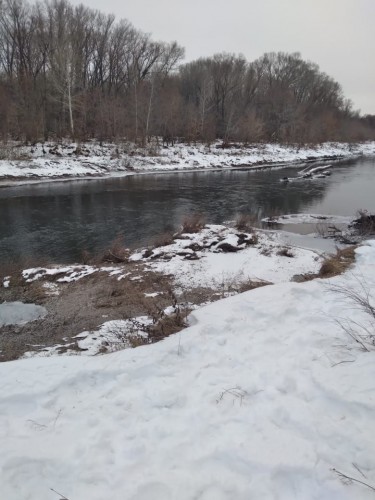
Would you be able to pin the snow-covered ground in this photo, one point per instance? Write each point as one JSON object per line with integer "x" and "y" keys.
{"x": 260, "y": 398}
{"x": 69, "y": 160}
{"x": 218, "y": 258}
{"x": 260, "y": 261}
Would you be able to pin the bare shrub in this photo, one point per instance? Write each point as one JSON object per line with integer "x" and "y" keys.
{"x": 86, "y": 257}
{"x": 337, "y": 263}
{"x": 117, "y": 252}
{"x": 125, "y": 163}
{"x": 364, "y": 224}
{"x": 163, "y": 240}
{"x": 325, "y": 230}
{"x": 285, "y": 252}
{"x": 164, "y": 324}
{"x": 161, "y": 325}
{"x": 266, "y": 251}
{"x": 245, "y": 222}
{"x": 193, "y": 223}
{"x": 13, "y": 152}
{"x": 359, "y": 298}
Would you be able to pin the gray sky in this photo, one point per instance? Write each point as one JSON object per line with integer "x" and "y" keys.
{"x": 338, "y": 35}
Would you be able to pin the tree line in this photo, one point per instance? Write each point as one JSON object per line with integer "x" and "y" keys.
{"x": 72, "y": 71}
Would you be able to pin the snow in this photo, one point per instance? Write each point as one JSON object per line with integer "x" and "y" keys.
{"x": 67, "y": 274}
{"x": 261, "y": 397}
{"x": 308, "y": 219}
{"x": 92, "y": 160}
{"x": 214, "y": 269}
{"x": 51, "y": 288}
{"x": 18, "y": 313}
{"x": 117, "y": 332}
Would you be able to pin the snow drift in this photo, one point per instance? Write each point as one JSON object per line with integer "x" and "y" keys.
{"x": 259, "y": 399}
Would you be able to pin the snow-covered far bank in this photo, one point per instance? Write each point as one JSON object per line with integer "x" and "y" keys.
{"x": 72, "y": 160}
{"x": 264, "y": 396}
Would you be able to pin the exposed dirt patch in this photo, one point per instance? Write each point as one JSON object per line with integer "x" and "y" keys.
{"x": 80, "y": 306}
{"x": 85, "y": 304}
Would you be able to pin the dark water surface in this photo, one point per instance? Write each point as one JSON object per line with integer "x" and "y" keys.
{"x": 59, "y": 220}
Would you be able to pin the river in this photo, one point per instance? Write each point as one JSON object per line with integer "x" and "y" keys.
{"x": 58, "y": 220}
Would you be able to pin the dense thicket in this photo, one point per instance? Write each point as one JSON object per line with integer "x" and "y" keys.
{"x": 73, "y": 71}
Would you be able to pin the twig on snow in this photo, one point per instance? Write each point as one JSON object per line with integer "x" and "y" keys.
{"x": 350, "y": 479}
{"x": 63, "y": 497}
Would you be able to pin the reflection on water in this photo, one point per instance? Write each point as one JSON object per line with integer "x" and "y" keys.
{"x": 59, "y": 220}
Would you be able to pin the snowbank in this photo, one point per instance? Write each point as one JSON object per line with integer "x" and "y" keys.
{"x": 260, "y": 398}
{"x": 92, "y": 160}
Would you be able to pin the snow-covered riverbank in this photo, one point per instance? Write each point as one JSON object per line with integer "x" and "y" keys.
{"x": 263, "y": 396}
{"x": 181, "y": 272}
{"x": 70, "y": 160}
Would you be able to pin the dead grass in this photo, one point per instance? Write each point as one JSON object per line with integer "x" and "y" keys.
{"x": 193, "y": 223}
{"x": 14, "y": 268}
{"x": 252, "y": 285}
{"x": 168, "y": 325}
{"x": 337, "y": 263}
{"x": 36, "y": 293}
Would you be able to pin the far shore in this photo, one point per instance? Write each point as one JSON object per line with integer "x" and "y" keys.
{"x": 68, "y": 161}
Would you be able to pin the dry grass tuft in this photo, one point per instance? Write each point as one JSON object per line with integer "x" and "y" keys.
{"x": 245, "y": 222}
{"x": 117, "y": 253}
{"x": 163, "y": 240}
{"x": 193, "y": 223}
{"x": 252, "y": 285}
{"x": 337, "y": 263}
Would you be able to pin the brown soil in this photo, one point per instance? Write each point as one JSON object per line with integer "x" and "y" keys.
{"x": 80, "y": 306}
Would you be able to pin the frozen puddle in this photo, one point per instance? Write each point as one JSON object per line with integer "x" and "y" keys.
{"x": 18, "y": 313}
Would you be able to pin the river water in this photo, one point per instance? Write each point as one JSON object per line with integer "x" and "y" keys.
{"x": 59, "y": 220}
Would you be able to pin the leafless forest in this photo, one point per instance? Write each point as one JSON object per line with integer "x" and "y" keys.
{"x": 74, "y": 72}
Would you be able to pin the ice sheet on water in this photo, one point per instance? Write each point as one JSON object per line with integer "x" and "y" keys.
{"x": 18, "y": 313}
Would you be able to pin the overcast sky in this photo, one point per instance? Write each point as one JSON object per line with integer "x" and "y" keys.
{"x": 338, "y": 35}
